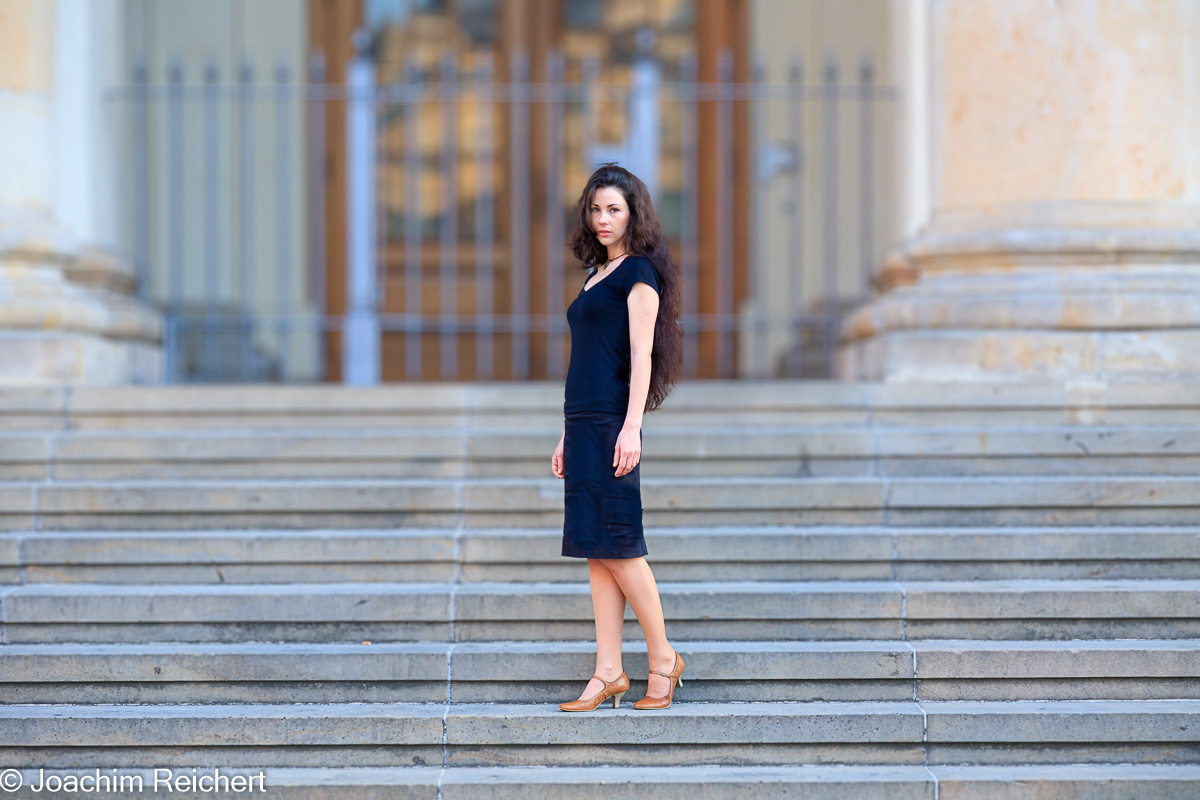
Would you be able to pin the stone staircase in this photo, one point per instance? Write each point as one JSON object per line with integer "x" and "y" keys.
{"x": 881, "y": 592}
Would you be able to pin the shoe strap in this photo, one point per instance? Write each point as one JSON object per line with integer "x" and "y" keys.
{"x": 666, "y": 674}
{"x": 606, "y": 683}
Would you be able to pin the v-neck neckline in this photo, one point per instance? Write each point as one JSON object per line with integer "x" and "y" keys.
{"x": 602, "y": 280}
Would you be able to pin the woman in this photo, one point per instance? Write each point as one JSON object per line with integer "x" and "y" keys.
{"x": 627, "y": 309}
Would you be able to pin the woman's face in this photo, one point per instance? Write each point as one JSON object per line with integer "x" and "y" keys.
{"x": 609, "y": 215}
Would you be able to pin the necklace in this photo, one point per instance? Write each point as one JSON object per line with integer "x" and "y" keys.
{"x": 606, "y": 263}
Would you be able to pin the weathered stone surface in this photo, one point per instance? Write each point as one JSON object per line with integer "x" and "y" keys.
{"x": 1053, "y": 599}
{"x": 17, "y": 507}
{"x": 1122, "y": 658}
{"x": 233, "y": 547}
{"x": 792, "y": 632}
{"x": 757, "y": 600}
{"x": 761, "y": 661}
{"x": 111, "y": 726}
{"x": 253, "y": 661}
{"x": 690, "y": 783}
{"x": 56, "y": 331}
{"x": 690, "y": 723}
{"x": 1067, "y": 781}
{"x": 348, "y": 602}
{"x": 1064, "y": 721}
{"x": 1041, "y": 544}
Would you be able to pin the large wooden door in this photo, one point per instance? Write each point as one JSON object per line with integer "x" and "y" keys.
{"x": 331, "y": 25}
{"x": 537, "y": 28}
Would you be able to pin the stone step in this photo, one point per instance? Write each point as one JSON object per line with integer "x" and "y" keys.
{"x": 487, "y": 672}
{"x": 415, "y": 406}
{"x": 516, "y": 502}
{"x": 691, "y": 402}
{"x": 718, "y": 450}
{"x": 489, "y": 611}
{"x": 700, "y": 782}
{"x": 787, "y": 553}
{"x": 688, "y": 733}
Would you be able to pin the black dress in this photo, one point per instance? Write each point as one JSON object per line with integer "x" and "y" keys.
{"x": 602, "y": 513}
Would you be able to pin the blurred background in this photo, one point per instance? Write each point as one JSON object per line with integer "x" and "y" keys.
{"x": 381, "y": 190}
{"x": 367, "y": 191}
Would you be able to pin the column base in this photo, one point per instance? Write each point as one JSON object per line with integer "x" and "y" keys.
{"x": 1022, "y": 355}
{"x": 29, "y": 358}
{"x": 1031, "y": 302}
{"x": 67, "y": 315}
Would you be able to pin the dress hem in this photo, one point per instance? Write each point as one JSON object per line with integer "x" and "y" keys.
{"x": 636, "y": 555}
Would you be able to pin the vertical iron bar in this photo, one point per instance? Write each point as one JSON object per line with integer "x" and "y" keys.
{"x": 796, "y": 267}
{"x": 829, "y": 205}
{"x": 175, "y": 183}
{"x": 141, "y": 189}
{"x": 381, "y": 101}
{"x": 448, "y": 311}
{"x": 484, "y": 287}
{"x": 246, "y": 231}
{"x": 361, "y": 324}
{"x": 643, "y": 147}
{"x": 760, "y": 358}
{"x": 591, "y": 114}
{"x": 283, "y": 200}
{"x": 519, "y": 213}
{"x": 555, "y": 235}
{"x": 689, "y": 233}
{"x": 865, "y": 172}
{"x": 726, "y": 329}
{"x": 212, "y": 264}
{"x": 413, "y": 330}
{"x": 317, "y": 109}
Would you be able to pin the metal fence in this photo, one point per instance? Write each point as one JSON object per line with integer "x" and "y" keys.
{"x": 228, "y": 199}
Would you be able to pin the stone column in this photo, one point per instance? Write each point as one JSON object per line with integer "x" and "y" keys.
{"x": 1064, "y": 240}
{"x": 67, "y": 310}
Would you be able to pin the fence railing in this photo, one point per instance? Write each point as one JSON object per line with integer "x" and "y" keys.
{"x": 231, "y": 204}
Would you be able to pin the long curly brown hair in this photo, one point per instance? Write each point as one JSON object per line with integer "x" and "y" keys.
{"x": 644, "y": 237}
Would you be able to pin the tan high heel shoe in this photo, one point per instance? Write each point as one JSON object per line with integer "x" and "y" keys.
{"x": 676, "y": 676}
{"x": 614, "y": 689}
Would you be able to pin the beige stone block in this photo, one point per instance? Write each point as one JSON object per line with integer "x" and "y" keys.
{"x": 1093, "y": 721}
{"x": 1077, "y": 660}
{"x": 1046, "y": 492}
{"x": 248, "y": 548}
{"x": 1047, "y": 600}
{"x": 1063, "y": 114}
{"x": 292, "y": 725}
{"x": 138, "y": 604}
{"x": 302, "y": 446}
{"x": 283, "y": 497}
{"x": 1152, "y": 351}
{"x": 68, "y": 358}
{"x": 20, "y": 449}
{"x": 1068, "y": 781}
{"x": 258, "y": 398}
{"x": 26, "y": 47}
{"x": 17, "y": 507}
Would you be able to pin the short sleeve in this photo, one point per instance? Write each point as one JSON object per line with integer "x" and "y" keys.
{"x": 640, "y": 269}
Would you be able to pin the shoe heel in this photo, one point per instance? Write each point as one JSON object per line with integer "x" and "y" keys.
{"x": 679, "y": 681}
{"x": 617, "y": 699}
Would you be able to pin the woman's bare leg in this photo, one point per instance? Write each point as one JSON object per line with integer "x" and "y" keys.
{"x": 637, "y": 583}
{"x": 608, "y": 603}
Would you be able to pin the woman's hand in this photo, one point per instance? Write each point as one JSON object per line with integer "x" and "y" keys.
{"x": 628, "y": 452}
{"x": 556, "y": 463}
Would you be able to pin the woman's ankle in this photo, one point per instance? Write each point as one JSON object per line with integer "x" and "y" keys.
{"x": 666, "y": 656}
